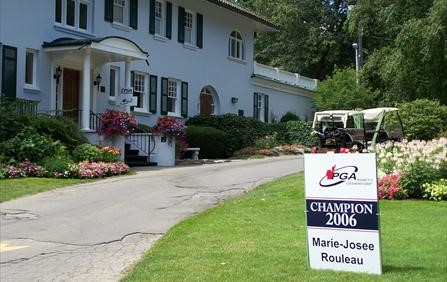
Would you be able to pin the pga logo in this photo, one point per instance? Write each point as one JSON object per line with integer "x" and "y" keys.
{"x": 335, "y": 176}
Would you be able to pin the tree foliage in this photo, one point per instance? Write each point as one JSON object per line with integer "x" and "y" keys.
{"x": 340, "y": 92}
{"x": 312, "y": 39}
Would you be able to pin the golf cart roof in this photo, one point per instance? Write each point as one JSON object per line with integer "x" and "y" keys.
{"x": 341, "y": 115}
{"x": 374, "y": 114}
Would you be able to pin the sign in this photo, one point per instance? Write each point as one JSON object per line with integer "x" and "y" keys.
{"x": 126, "y": 98}
{"x": 342, "y": 212}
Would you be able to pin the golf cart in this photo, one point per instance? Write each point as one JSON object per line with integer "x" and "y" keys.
{"x": 356, "y": 130}
{"x": 339, "y": 129}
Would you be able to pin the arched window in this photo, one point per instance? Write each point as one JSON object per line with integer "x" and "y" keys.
{"x": 236, "y": 46}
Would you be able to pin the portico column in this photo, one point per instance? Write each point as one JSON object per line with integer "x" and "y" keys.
{"x": 127, "y": 79}
{"x": 86, "y": 91}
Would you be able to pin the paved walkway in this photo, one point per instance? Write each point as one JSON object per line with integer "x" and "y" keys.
{"x": 94, "y": 231}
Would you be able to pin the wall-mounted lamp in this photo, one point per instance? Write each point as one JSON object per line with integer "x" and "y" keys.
{"x": 234, "y": 100}
{"x": 97, "y": 81}
{"x": 57, "y": 74}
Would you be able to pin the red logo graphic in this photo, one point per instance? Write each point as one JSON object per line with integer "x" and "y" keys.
{"x": 330, "y": 173}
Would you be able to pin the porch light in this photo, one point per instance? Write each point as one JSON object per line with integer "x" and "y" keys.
{"x": 57, "y": 74}
{"x": 234, "y": 100}
{"x": 97, "y": 81}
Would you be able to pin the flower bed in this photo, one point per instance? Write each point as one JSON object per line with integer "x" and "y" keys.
{"x": 412, "y": 169}
{"x": 83, "y": 169}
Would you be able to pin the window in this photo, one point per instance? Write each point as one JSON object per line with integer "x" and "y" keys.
{"x": 139, "y": 90}
{"x": 9, "y": 71}
{"x": 119, "y": 11}
{"x": 30, "y": 68}
{"x": 114, "y": 82}
{"x": 236, "y": 46}
{"x": 158, "y": 18}
{"x": 188, "y": 27}
{"x": 261, "y": 107}
{"x": 75, "y": 14}
{"x": 172, "y": 96}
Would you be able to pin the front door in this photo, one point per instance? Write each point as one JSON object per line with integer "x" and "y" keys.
{"x": 206, "y": 102}
{"x": 70, "y": 105}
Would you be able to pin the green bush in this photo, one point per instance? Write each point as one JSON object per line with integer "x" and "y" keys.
{"x": 241, "y": 131}
{"x": 57, "y": 164}
{"x": 415, "y": 176}
{"x": 10, "y": 124}
{"x": 298, "y": 132}
{"x": 423, "y": 119}
{"x": 28, "y": 144}
{"x": 267, "y": 142}
{"x": 289, "y": 116}
{"x": 60, "y": 128}
{"x": 87, "y": 152}
{"x": 436, "y": 190}
{"x": 211, "y": 141}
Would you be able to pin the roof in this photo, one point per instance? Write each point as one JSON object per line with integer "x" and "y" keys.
{"x": 246, "y": 12}
{"x": 374, "y": 114}
{"x": 65, "y": 42}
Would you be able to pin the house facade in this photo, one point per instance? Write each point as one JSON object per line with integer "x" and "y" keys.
{"x": 181, "y": 57}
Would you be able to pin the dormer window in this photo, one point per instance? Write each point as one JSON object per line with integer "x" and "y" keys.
{"x": 236, "y": 46}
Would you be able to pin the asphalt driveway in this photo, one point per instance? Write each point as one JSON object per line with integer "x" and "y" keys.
{"x": 94, "y": 231}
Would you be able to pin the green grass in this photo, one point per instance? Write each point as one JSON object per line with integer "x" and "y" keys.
{"x": 19, "y": 187}
{"x": 262, "y": 237}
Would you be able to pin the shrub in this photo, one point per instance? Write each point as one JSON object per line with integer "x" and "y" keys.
{"x": 100, "y": 169}
{"x": 298, "y": 132}
{"x": 59, "y": 128}
{"x": 58, "y": 166}
{"x": 389, "y": 187}
{"x": 436, "y": 190}
{"x": 415, "y": 175}
{"x": 24, "y": 169}
{"x": 241, "y": 131}
{"x": 28, "y": 144}
{"x": 245, "y": 152}
{"x": 211, "y": 141}
{"x": 110, "y": 154}
{"x": 423, "y": 119}
{"x": 87, "y": 152}
{"x": 289, "y": 116}
{"x": 267, "y": 142}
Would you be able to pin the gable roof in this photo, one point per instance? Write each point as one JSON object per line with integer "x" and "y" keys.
{"x": 271, "y": 26}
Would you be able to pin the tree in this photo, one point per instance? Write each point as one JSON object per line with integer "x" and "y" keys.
{"x": 312, "y": 39}
{"x": 410, "y": 61}
{"x": 340, "y": 92}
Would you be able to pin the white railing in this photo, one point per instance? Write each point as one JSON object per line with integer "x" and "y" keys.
{"x": 286, "y": 77}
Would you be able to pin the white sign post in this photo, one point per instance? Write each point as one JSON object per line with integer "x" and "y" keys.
{"x": 342, "y": 212}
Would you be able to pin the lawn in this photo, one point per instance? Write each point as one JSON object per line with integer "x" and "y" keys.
{"x": 19, "y": 187}
{"x": 261, "y": 236}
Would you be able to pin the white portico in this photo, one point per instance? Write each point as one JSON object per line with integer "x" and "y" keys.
{"x": 75, "y": 71}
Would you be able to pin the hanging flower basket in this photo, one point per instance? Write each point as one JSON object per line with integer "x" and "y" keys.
{"x": 115, "y": 123}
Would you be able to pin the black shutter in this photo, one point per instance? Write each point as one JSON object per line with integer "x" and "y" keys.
{"x": 132, "y": 83}
{"x": 153, "y": 94}
{"x": 266, "y": 108}
{"x": 152, "y": 17}
{"x": 9, "y": 71}
{"x": 168, "y": 20}
{"x": 199, "y": 31}
{"x": 255, "y": 106}
{"x": 181, "y": 24}
{"x": 108, "y": 11}
{"x": 164, "y": 96}
{"x": 133, "y": 16}
{"x": 184, "y": 105}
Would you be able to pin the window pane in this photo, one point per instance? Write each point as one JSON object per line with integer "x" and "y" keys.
{"x": 71, "y": 12}
{"x": 29, "y": 68}
{"x": 58, "y": 11}
{"x": 83, "y": 15}
{"x": 118, "y": 10}
{"x": 171, "y": 105}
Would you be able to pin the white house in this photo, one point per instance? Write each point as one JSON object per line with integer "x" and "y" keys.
{"x": 182, "y": 58}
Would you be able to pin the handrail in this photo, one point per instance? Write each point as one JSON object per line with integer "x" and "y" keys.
{"x": 142, "y": 141}
{"x": 95, "y": 122}
{"x": 18, "y": 106}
